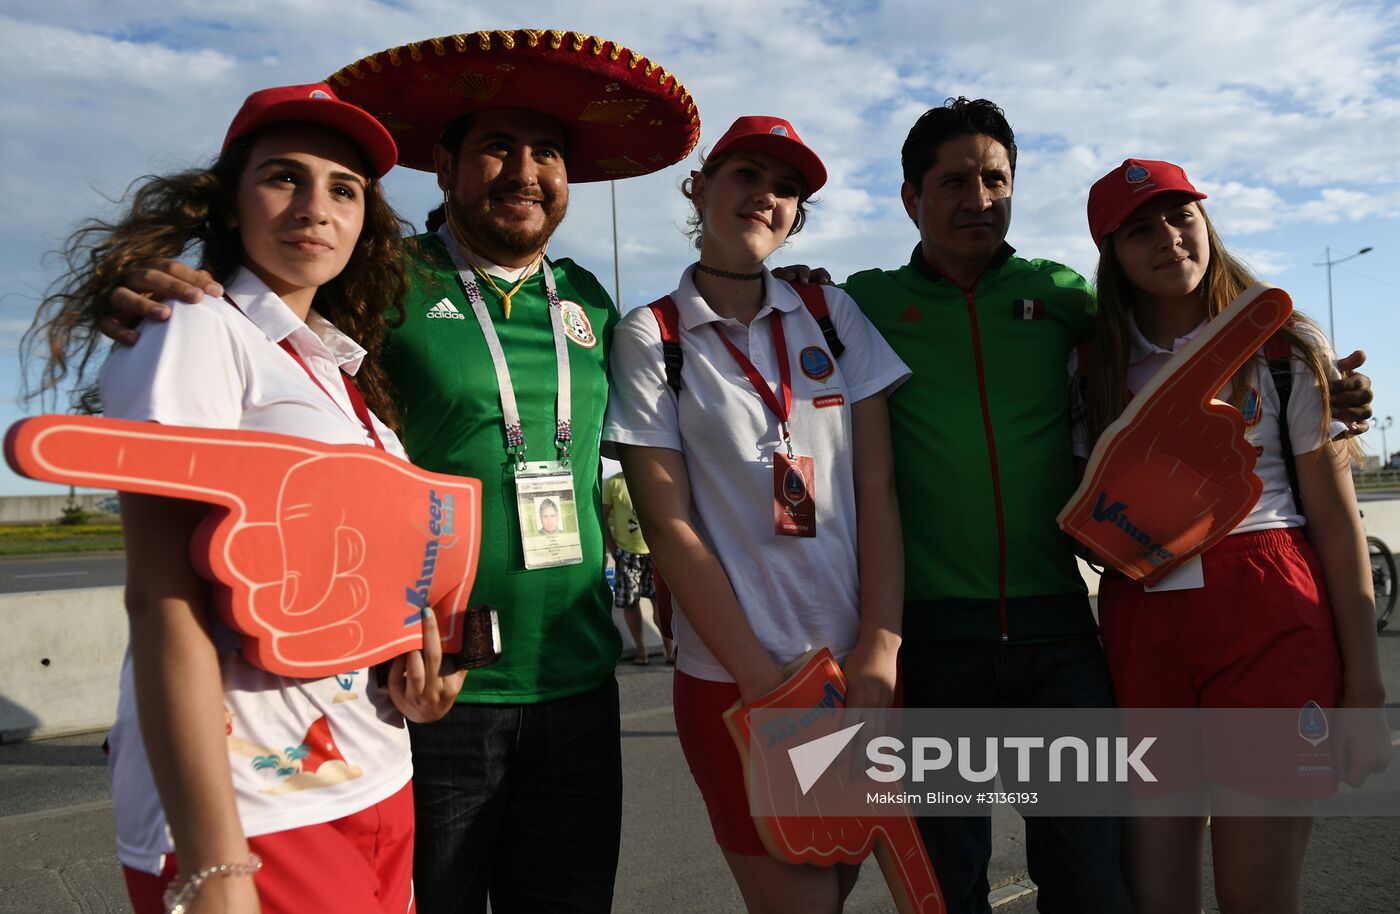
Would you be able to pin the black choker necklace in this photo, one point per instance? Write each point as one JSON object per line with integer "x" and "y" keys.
{"x": 725, "y": 274}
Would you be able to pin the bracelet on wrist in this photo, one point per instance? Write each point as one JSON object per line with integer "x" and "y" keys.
{"x": 182, "y": 890}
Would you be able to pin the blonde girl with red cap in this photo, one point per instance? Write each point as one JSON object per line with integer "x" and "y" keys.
{"x": 708, "y": 449}
{"x": 277, "y": 794}
{"x": 1281, "y": 612}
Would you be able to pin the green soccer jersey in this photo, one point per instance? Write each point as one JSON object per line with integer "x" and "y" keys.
{"x": 981, "y": 439}
{"x": 557, "y": 633}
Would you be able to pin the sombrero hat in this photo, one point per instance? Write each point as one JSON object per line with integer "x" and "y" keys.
{"x": 624, "y": 114}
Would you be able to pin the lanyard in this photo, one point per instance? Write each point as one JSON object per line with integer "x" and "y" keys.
{"x": 779, "y": 409}
{"x": 357, "y": 402}
{"x": 515, "y": 435}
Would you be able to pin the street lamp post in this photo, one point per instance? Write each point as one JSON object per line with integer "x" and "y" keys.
{"x": 1329, "y": 263}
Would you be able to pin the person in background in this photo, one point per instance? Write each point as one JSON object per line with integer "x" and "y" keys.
{"x": 622, "y": 534}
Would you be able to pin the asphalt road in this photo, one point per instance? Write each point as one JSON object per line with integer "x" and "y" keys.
{"x": 57, "y": 833}
{"x": 25, "y": 574}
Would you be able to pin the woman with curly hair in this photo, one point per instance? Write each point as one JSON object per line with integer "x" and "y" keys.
{"x": 302, "y": 785}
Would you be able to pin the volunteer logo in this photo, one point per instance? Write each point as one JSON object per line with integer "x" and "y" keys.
{"x": 779, "y": 130}
{"x": 794, "y": 486}
{"x": 1136, "y": 174}
{"x": 816, "y": 364}
{"x": 440, "y": 510}
{"x": 576, "y": 324}
{"x": 445, "y": 310}
{"x": 1117, "y": 515}
{"x": 1312, "y": 723}
{"x": 1250, "y": 407}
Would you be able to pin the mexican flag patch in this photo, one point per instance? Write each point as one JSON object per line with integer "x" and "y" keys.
{"x": 1028, "y": 309}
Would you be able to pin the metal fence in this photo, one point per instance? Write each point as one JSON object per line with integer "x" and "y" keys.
{"x": 1377, "y": 479}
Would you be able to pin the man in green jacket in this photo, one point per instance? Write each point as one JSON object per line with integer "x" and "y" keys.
{"x": 996, "y": 613}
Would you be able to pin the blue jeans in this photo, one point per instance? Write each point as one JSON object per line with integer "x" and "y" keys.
{"x": 1075, "y": 862}
{"x": 519, "y": 802}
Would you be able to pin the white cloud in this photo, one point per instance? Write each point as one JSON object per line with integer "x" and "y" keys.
{"x": 1287, "y": 115}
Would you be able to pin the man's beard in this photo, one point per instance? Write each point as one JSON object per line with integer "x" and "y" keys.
{"x": 490, "y": 238}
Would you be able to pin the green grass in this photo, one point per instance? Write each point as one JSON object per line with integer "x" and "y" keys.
{"x": 43, "y": 539}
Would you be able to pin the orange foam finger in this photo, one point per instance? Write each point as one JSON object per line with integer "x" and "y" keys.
{"x": 323, "y": 556}
{"x": 816, "y": 684}
{"x": 1174, "y": 474}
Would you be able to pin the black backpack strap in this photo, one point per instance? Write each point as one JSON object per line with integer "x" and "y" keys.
{"x": 669, "y": 320}
{"x": 815, "y": 299}
{"x": 1279, "y": 354}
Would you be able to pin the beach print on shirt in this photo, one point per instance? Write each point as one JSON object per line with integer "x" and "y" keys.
{"x": 312, "y": 762}
{"x": 346, "y": 681}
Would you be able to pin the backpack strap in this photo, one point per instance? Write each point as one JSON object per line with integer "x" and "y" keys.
{"x": 1278, "y": 352}
{"x": 1084, "y": 353}
{"x": 815, "y": 299}
{"x": 669, "y": 320}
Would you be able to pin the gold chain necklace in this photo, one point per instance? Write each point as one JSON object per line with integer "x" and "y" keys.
{"x": 506, "y": 296}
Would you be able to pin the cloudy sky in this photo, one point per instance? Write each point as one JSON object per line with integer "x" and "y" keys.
{"x": 1287, "y": 113}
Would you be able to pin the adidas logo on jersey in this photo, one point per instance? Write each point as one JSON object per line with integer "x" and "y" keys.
{"x": 445, "y": 310}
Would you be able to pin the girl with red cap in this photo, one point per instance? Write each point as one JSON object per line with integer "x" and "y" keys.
{"x": 760, "y": 468}
{"x": 278, "y": 794}
{"x": 1277, "y": 615}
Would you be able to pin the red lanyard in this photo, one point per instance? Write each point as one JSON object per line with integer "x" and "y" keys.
{"x": 357, "y": 402}
{"x": 780, "y": 409}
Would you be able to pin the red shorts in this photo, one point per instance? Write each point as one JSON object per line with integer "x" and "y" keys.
{"x": 361, "y": 864}
{"x": 714, "y": 762}
{"x": 1258, "y": 635}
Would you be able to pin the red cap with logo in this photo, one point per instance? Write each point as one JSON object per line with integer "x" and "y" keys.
{"x": 316, "y": 104}
{"x": 775, "y": 137}
{"x": 1115, "y": 196}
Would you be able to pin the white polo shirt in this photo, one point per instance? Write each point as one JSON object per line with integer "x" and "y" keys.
{"x": 301, "y": 751}
{"x": 797, "y": 592}
{"x": 1275, "y": 507}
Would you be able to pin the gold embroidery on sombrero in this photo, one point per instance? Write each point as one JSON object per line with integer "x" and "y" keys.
{"x": 477, "y": 86}
{"x": 622, "y": 165}
{"x": 613, "y": 111}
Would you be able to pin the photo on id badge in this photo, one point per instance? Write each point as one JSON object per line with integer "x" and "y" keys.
{"x": 549, "y": 533}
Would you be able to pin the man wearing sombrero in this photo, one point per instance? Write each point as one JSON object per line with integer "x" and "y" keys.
{"x": 500, "y": 367}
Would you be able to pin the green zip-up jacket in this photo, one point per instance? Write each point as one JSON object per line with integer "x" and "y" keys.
{"x": 982, "y": 445}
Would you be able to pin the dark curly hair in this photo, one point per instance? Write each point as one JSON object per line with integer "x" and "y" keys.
{"x": 168, "y": 216}
{"x": 958, "y": 117}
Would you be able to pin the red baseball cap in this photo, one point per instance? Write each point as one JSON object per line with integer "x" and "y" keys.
{"x": 315, "y": 103}
{"x": 1115, "y": 196}
{"x": 775, "y": 137}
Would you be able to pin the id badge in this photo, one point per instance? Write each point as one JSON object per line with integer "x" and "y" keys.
{"x": 1189, "y": 576}
{"x": 794, "y": 507}
{"x": 548, "y": 513}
